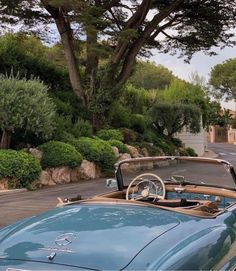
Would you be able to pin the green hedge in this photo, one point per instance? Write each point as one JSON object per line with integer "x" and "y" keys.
{"x": 120, "y": 145}
{"x": 96, "y": 150}
{"x": 187, "y": 152}
{"x": 20, "y": 167}
{"x": 109, "y": 134}
{"x": 57, "y": 154}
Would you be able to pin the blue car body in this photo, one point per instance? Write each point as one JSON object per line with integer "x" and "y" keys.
{"x": 106, "y": 233}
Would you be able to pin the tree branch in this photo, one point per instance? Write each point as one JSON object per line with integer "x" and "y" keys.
{"x": 137, "y": 45}
{"x": 134, "y": 22}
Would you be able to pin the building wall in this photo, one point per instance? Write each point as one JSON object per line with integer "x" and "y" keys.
{"x": 198, "y": 141}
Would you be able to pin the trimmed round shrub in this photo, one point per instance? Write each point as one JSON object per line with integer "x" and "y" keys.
{"x": 56, "y": 154}
{"x": 19, "y": 167}
{"x": 120, "y": 145}
{"x": 108, "y": 134}
{"x": 96, "y": 150}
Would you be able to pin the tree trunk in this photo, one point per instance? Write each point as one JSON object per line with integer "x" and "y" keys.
{"x": 67, "y": 42}
{"x": 91, "y": 64}
{"x": 6, "y": 139}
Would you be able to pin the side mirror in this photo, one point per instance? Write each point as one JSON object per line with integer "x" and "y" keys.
{"x": 111, "y": 183}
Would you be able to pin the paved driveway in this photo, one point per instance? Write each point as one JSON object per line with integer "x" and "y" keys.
{"x": 23, "y": 204}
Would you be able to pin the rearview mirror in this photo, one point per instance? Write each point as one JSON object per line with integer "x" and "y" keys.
{"x": 111, "y": 183}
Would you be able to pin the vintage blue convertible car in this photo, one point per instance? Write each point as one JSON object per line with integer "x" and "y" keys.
{"x": 167, "y": 213}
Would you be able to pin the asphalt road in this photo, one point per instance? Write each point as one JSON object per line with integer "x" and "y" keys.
{"x": 224, "y": 151}
{"x": 23, "y": 204}
{"x": 17, "y": 206}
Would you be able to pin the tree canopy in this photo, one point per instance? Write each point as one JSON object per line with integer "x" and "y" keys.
{"x": 223, "y": 80}
{"x": 147, "y": 75}
{"x": 121, "y": 31}
{"x": 171, "y": 118}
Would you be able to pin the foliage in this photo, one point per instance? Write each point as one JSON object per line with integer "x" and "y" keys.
{"x": 19, "y": 167}
{"x": 27, "y": 57}
{"x": 166, "y": 146}
{"x": 183, "y": 92}
{"x": 191, "y": 152}
{"x": 25, "y": 104}
{"x": 68, "y": 104}
{"x": 218, "y": 116}
{"x": 187, "y": 152}
{"x": 149, "y": 76}
{"x": 152, "y": 149}
{"x": 96, "y": 150}
{"x": 63, "y": 125}
{"x": 137, "y": 100}
{"x": 82, "y": 128}
{"x": 56, "y": 154}
{"x": 171, "y": 118}
{"x": 177, "y": 142}
{"x": 119, "y": 116}
{"x": 120, "y": 145}
{"x": 129, "y": 135}
{"x": 223, "y": 80}
{"x": 129, "y": 32}
{"x": 107, "y": 134}
{"x": 138, "y": 123}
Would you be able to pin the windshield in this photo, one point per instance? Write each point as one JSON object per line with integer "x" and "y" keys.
{"x": 180, "y": 170}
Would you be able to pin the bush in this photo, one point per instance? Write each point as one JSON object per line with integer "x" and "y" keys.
{"x": 187, "y": 152}
{"x": 63, "y": 125}
{"x": 191, "y": 152}
{"x": 20, "y": 167}
{"x": 166, "y": 146}
{"x": 152, "y": 149}
{"x": 96, "y": 150}
{"x": 57, "y": 154}
{"x": 129, "y": 135}
{"x": 120, "y": 145}
{"x": 119, "y": 116}
{"x": 109, "y": 134}
{"x": 177, "y": 142}
{"x": 82, "y": 128}
{"x": 25, "y": 104}
{"x": 138, "y": 123}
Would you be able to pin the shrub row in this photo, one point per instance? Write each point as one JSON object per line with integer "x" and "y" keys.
{"x": 22, "y": 168}
{"x": 96, "y": 150}
{"x": 19, "y": 167}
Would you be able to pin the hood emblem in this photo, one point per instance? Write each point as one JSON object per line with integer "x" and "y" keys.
{"x": 65, "y": 239}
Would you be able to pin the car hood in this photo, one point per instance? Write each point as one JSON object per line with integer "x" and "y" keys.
{"x": 103, "y": 237}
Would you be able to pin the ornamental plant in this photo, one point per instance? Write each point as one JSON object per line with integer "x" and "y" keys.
{"x": 24, "y": 104}
{"x": 19, "y": 167}
{"x": 56, "y": 154}
{"x": 96, "y": 150}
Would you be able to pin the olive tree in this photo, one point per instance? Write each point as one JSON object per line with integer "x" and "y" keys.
{"x": 172, "y": 118}
{"x": 24, "y": 104}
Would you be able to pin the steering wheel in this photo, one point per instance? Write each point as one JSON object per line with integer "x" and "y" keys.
{"x": 146, "y": 188}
